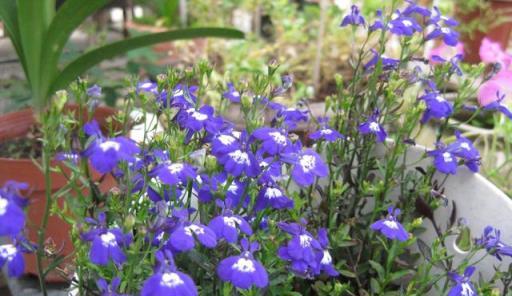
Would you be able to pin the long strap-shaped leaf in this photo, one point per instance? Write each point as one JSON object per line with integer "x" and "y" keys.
{"x": 93, "y": 57}
{"x": 9, "y": 16}
{"x": 69, "y": 16}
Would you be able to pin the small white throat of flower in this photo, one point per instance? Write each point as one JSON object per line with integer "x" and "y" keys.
{"x": 326, "y": 259}
{"x": 466, "y": 290}
{"x": 374, "y": 126}
{"x": 240, "y": 157}
{"x": 305, "y": 240}
{"x": 278, "y": 138}
{"x": 3, "y": 206}
{"x": 440, "y": 99}
{"x": 8, "y": 251}
{"x": 171, "y": 280}
{"x": 175, "y": 168}
{"x": 193, "y": 228}
{"x": 231, "y": 221}
{"x": 244, "y": 265}
{"x": 107, "y": 145}
{"x": 226, "y": 139}
{"x": 407, "y": 23}
{"x": 108, "y": 240}
{"x": 465, "y": 145}
{"x": 391, "y": 224}
{"x": 447, "y": 157}
{"x": 197, "y": 115}
{"x": 326, "y": 131}
{"x": 271, "y": 193}
{"x": 307, "y": 162}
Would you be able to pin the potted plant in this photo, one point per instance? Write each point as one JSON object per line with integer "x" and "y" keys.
{"x": 205, "y": 207}
{"x": 38, "y": 32}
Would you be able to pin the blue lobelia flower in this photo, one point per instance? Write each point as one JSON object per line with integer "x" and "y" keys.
{"x": 228, "y": 225}
{"x": 224, "y": 143}
{"x": 325, "y": 132}
{"x": 271, "y": 169}
{"x": 387, "y": 63}
{"x": 354, "y": 18}
{"x": 183, "y": 237}
{"x": 13, "y": 257}
{"x": 379, "y": 22}
{"x": 94, "y": 91}
{"x": 289, "y": 115}
{"x": 499, "y": 106}
{"x": 326, "y": 264}
{"x": 307, "y": 165}
{"x": 173, "y": 173}
{"x": 105, "y": 153}
{"x": 454, "y": 62}
{"x": 243, "y": 271}
{"x": 372, "y": 126}
{"x": 271, "y": 195}
{"x": 196, "y": 120}
{"x": 12, "y": 191}
{"x": 274, "y": 141}
{"x": 449, "y": 35}
{"x": 390, "y": 227}
{"x": 166, "y": 280}
{"x": 303, "y": 251}
{"x": 109, "y": 290}
{"x": 147, "y": 86}
{"x": 181, "y": 96}
{"x": 232, "y": 94}
{"x": 437, "y": 106}
{"x": 491, "y": 241}
{"x": 240, "y": 161}
{"x": 286, "y": 83}
{"x": 463, "y": 285}
{"x": 404, "y": 25}
{"x": 12, "y": 217}
{"x": 413, "y": 8}
{"x": 444, "y": 160}
{"x": 464, "y": 149}
{"x": 107, "y": 244}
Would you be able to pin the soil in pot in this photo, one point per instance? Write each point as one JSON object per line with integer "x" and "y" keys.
{"x": 18, "y": 134}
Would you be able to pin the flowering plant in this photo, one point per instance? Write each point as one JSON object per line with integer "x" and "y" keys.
{"x": 301, "y": 204}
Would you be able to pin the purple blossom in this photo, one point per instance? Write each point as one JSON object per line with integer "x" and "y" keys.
{"x": 325, "y": 132}
{"x": 11, "y": 255}
{"x": 379, "y": 22}
{"x": 182, "y": 239}
{"x": 12, "y": 191}
{"x": 307, "y": 165}
{"x": 274, "y": 141}
{"x": 450, "y": 36}
{"x": 166, "y": 280}
{"x": 271, "y": 195}
{"x": 72, "y": 157}
{"x": 197, "y": 119}
{"x": 109, "y": 290}
{"x": 404, "y": 26}
{"x": 387, "y": 63}
{"x": 465, "y": 149}
{"x": 240, "y": 161}
{"x": 444, "y": 160}
{"x": 12, "y": 217}
{"x": 224, "y": 143}
{"x": 390, "y": 227}
{"x": 228, "y": 225}
{"x": 173, "y": 173}
{"x": 94, "y": 91}
{"x": 148, "y": 87}
{"x": 413, "y": 8}
{"x": 491, "y": 241}
{"x": 291, "y": 116}
{"x": 243, "y": 271}
{"x": 270, "y": 170}
{"x": 181, "y": 96}
{"x": 326, "y": 264}
{"x": 499, "y": 106}
{"x": 286, "y": 83}
{"x": 232, "y": 94}
{"x": 372, "y": 126}
{"x": 437, "y": 106}
{"x": 463, "y": 285}
{"x": 354, "y": 18}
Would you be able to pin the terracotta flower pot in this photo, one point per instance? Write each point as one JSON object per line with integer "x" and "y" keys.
{"x": 498, "y": 33}
{"x": 15, "y": 125}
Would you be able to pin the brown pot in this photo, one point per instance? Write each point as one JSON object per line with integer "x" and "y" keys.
{"x": 15, "y": 125}
{"x": 498, "y": 33}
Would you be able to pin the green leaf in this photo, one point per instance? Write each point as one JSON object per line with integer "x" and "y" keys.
{"x": 69, "y": 16}
{"x": 378, "y": 268}
{"x": 399, "y": 274}
{"x": 9, "y": 16}
{"x": 93, "y": 57}
{"x": 348, "y": 273}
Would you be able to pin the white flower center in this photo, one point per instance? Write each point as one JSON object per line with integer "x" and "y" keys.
{"x": 278, "y": 138}
{"x": 193, "y": 228}
{"x": 175, "y": 168}
{"x": 445, "y": 30}
{"x": 244, "y": 265}
{"x": 305, "y": 240}
{"x": 107, "y": 145}
{"x": 447, "y": 157}
{"x": 374, "y": 126}
{"x": 465, "y": 145}
{"x": 226, "y": 139}
{"x": 407, "y": 23}
{"x": 235, "y": 94}
{"x": 8, "y": 252}
{"x": 307, "y": 162}
{"x": 326, "y": 131}
{"x": 3, "y": 206}
{"x": 466, "y": 290}
{"x": 326, "y": 259}
{"x": 231, "y": 221}
{"x": 440, "y": 99}
{"x": 391, "y": 224}
{"x": 171, "y": 280}
{"x": 177, "y": 93}
{"x": 240, "y": 157}
{"x": 273, "y": 193}
{"x": 197, "y": 115}
{"x": 108, "y": 240}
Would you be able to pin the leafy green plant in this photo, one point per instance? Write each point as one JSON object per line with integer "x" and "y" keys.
{"x": 39, "y": 31}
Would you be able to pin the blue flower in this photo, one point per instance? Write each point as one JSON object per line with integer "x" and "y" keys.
{"x": 463, "y": 285}
{"x": 13, "y": 256}
{"x": 274, "y": 141}
{"x": 450, "y": 36}
{"x": 243, "y": 271}
{"x": 354, "y": 18}
{"x": 290, "y": 116}
{"x": 12, "y": 217}
{"x": 444, "y": 160}
{"x": 464, "y": 148}
{"x": 379, "y": 22}
{"x": 173, "y": 173}
{"x": 437, "y": 106}
{"x": 240, "y": 161}
{"x": 325, "y": 132}
{"x": 390, "y": 227}
{"x": 499, "y": 106}
{"x": 12, "y": 191}
{"x": 181, "y": 96}
{"x": 404, "y": 26}
{"x": 326, "y": 264}
{"x": 109, "y": 290}
{"x": 167, "y": 280}
{"x": 232, "y": 94}
{"x": 94, "y": 91}
{"x": 372, "y": 126}
{"x": 148, "y": 87}
{"x": 197, "y": 119}
{"x": 271, "y": 195}
{"x": 224, "y": 143}
{"x": 413, "y": 8}
{"x": 387, "y": 63}
{"x": 493, "y": 244}
{"x": 228, "y": 225}
{"x": 307, "y": 165}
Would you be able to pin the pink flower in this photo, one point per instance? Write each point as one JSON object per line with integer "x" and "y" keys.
{"x": 501, "y": 83}
{"x": 491, "y": 52}
{"x": 446, "y": 52}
